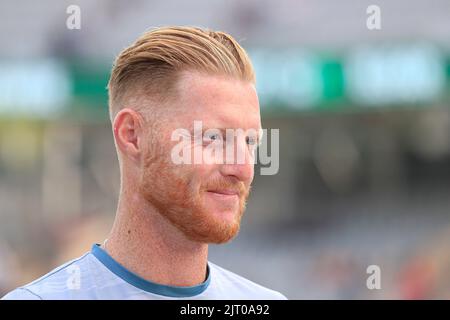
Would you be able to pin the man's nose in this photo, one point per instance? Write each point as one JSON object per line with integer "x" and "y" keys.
{"x": 239, "y": 162}
{"x": 242, "y": 172}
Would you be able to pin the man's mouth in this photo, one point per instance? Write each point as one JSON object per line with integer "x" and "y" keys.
{"x": 225, "y": 192}
{"x": 226, "y": 195}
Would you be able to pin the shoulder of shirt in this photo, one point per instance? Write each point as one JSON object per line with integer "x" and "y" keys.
{"x": 33, "y": 290}
{"x": 245, "y": 284}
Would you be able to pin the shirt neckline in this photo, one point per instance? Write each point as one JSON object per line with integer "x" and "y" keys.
{"x": 148, "y": 286}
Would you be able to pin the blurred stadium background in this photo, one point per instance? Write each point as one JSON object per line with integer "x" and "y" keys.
{"x": 364, "y": 119}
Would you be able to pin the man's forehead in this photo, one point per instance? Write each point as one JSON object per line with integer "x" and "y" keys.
{"x": 219, "y": 100}
{"x": 196, "y": 87}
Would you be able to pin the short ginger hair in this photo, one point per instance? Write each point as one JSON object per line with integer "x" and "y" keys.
{"x": 151, "y": 65}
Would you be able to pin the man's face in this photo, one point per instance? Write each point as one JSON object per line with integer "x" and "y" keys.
{"x": 204, "y": 201}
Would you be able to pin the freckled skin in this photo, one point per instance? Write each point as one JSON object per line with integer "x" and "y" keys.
{"x": 179, "y": 191}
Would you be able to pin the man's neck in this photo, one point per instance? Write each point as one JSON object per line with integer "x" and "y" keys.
{"x": 145, "y": 243}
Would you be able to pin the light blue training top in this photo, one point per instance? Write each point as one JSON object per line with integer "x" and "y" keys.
{"x": 96, "y": 275}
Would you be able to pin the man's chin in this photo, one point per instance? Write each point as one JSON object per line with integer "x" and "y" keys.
{"x": 217, "y": 231}
{"x": 224, "y": 216}
{"x": 224, "y": 237}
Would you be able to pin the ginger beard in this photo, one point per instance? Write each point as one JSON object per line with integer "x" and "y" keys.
{"x": 182, "y": 197}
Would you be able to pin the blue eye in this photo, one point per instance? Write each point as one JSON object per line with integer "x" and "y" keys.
{"x": 211, "y": 137}
{"x": 251, "y": 141}
{"x": 214, "y": 136}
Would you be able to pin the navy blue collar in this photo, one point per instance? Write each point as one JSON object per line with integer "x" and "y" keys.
{"x": 135, "y": 280}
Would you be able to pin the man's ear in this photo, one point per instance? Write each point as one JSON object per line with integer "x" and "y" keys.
{"x": 128, "y": 133}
